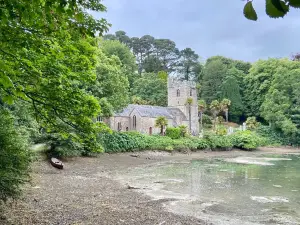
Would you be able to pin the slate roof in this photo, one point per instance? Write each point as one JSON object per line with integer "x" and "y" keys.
{"x": 152, "y": 111}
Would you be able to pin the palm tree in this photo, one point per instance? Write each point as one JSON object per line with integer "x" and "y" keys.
{"x": 201, "y": 109}
{"x": 215, "y": 109}
{"x": 224, "y": 105}
{"x": 161, "y": 122}
{"x": 189, "y": 102}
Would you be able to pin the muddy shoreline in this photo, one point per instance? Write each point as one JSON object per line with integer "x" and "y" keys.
{"x": 85, "y": 192}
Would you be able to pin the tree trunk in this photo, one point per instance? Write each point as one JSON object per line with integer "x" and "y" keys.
{"x": 215, "y": 117}
{"x": 161, "y": 130}
{"x": 226, "y": 115}
{"x": 190, "y": 119}
{"x": 201, "y": 123}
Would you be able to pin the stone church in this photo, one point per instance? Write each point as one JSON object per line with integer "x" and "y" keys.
{"x": 142, "y": 118}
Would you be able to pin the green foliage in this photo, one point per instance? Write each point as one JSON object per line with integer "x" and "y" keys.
{"x": 207, "y": 121}
{"x": 251, "y": 123}
{"x": 14, "y": 157}
{"x": 218, "y": 142}
{"x": 272, "y": 136}
{"x": 188, "y": 64}
{"x": 245, "y": 140}
{"x": 47, "y": 58}
{"x": 281, "y": 105}
{"x": 230, "y": 89}
{"x": 173, "y": 132}
{"x": 111, "y": 83}
{"x": 259, "y": 80}
{"x": 249, "y": 11}
{"x": 221, "y": 130}
{"x": 151, "y": 88}
{"x": 214, "y": 73}
{"x": 274, "y": 8}
{"x": 183, "y": 130}
{"x": 161, "y": 122}
{"x": 128, "y": 62}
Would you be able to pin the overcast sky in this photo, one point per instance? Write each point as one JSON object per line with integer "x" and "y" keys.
{"x": 212, "y": 27}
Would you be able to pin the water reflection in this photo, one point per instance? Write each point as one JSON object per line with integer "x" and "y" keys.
{"x": 229, "y": 192}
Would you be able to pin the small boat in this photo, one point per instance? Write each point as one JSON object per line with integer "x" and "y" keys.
{"x": 56, "y": 163}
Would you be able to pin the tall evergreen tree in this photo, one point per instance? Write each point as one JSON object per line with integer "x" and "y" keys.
{"x": 231, "y": 90}
{"x": 214, "y": 74}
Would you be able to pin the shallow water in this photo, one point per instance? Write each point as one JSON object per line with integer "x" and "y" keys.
{"x": 254, "y": 190}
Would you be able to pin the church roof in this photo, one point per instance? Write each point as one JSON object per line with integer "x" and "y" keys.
{"x": 152, "y": 111}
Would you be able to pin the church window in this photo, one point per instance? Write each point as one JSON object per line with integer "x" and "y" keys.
{"x": 99, "y": 119}
{"x": 134, "y": 122}
{"x": 178, "y": 93}
{"x": 119, "y": 126}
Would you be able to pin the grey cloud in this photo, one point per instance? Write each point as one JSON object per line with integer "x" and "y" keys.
{"x": 215, "y": 27}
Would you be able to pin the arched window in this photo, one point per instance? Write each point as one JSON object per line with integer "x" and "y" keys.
{"x": 178, "y": 93}
{"x": 134, "y": 122}
{"x": 119, "y": 126}
{"x": 191, "y": 92}
{"x": 99, "y": 119}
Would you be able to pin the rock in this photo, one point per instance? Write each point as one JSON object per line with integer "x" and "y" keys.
{"x": 130, "y": 187}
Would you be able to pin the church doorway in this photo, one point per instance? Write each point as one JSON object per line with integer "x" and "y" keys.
{"x": 150, "y": 130}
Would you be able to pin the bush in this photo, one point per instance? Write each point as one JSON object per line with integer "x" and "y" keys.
{"x": 218, "y": 142}
{"x": 251, "y": 123}
{"x": 173, "y": 132}
{"x": 271, "y": 136}
{"x": 245, "y": 140}
{"x": 207, "y": 121}
{"x": 14, "y": 157}
{"x": 221, "y": 130}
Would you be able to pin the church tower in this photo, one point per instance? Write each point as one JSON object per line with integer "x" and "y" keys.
{"x": 178, "y": 94}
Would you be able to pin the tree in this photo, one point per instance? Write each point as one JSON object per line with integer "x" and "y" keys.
{"x": 215, "y": 109}
{"x": 214, "y": 74}
{"x": 281, "y": 105}
{"x": 161, "y": 122}
{"x": 129, "y": 67}
{"x": 168, "y": 54}
{"x": 224, "y": 106}
{"x": 230, "y": 89}
{"x": 274, "y": 8}
{"x": 47, "y": 58}
{"x": 152, "y": 89}
{"x": 258, "y": 82}
{"x": 152, "y": 64}
{"x": 14, "y": 156}
{"x": 188, "y": 64}
{"x": 201, "y": 109}
{"x": 189, "y": 103}
{"x": 111, "y": 82}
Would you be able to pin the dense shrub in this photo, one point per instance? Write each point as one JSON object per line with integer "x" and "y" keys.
{"x": 134, "y": 141}
{"x": 14, "y": 157}
{"x": 221, "y": 130}
{"x": 218, "y": 142}
{"x": 271, "y": 136}
{"x": 245, "y": 140}
{"x": 207, "y": 121}
{"x": 173, "y": 132}
{"x": 251, "y": 123}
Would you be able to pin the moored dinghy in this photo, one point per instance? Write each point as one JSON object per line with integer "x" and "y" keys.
{"x": 56, "y": 163}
